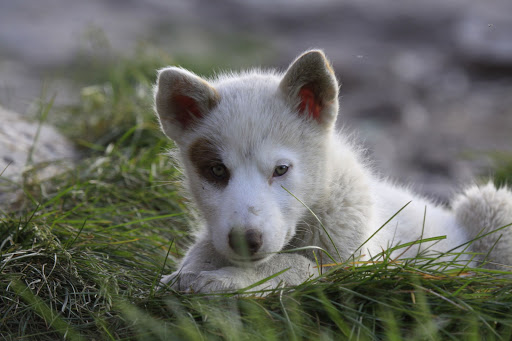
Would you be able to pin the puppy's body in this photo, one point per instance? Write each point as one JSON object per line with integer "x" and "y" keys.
{"x": 260, "y": 153}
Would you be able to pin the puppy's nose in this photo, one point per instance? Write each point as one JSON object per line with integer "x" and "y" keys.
{"x": 245, "y": 242}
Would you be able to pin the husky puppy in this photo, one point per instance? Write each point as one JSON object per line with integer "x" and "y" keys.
{"x": 269, "y": 173}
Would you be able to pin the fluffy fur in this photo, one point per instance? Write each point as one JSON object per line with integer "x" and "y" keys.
{"x": 259, "y": 148}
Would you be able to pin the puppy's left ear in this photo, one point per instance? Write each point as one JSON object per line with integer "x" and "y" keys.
{"x": 182, "y": 99}
{"x": 311, "y": 87}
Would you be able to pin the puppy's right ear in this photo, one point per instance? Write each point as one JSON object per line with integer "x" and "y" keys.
{"x": 311, "y": 87}
{"x": 181, "y": 99}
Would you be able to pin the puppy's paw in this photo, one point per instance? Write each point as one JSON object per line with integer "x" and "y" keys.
{"x": 222, "y": 280}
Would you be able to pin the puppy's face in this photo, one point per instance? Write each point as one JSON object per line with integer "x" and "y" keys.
{"x": 250, "y": 146}
{"x": 249, "y": 214}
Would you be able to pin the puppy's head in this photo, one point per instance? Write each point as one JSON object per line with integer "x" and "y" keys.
{"x": 246, "y": 142}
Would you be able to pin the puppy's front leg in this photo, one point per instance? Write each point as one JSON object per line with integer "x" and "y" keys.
{"x": 204, "y": 270}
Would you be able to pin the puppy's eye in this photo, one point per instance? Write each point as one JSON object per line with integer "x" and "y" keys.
{"x": 280, "y": 170}
{"x": 219, "y": 171}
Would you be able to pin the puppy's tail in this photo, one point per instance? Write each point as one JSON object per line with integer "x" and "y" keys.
{"x": 482, "y": 209}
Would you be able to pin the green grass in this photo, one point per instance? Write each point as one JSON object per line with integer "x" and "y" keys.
{"x": 80, "y": 254}
{"x": 503, "y": 173}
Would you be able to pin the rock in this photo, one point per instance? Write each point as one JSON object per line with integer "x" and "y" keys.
{"x": 23, "y": 148}
{"x": 485, "y": 43}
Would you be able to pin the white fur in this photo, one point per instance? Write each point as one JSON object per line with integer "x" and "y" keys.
{"x": 252, "y": 119}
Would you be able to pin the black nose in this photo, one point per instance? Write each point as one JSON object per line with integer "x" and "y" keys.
{"x": 245, "y": 243}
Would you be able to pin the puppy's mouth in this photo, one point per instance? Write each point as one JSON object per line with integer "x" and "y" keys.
{"x": 252, "y": 260}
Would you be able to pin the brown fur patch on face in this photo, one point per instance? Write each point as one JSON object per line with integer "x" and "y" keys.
{"x": 207, "y": 162}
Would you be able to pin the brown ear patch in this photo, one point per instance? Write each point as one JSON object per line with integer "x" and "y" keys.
{"x": 186, "y": 108}
{"x": 205, "y": 156}
{"x": 309, "y": 102}
{"x": 182, "y": 99}
{"x": 311, "y": 88}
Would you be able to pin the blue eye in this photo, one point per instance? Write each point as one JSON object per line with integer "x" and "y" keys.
{"x": 280, "y": 170}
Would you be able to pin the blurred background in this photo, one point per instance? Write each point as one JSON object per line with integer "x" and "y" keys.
{"x": 426, "y": 85}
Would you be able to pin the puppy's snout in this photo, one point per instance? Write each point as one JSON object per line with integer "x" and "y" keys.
{"x": 245, "y": 242}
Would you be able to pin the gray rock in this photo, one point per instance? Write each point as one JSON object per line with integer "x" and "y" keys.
{"x": 29, "y": 147}
{"x": 485, "y": 41}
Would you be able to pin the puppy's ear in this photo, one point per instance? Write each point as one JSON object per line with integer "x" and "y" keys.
{"x": 181, "y": 99}
{"x": 311, "y": 87}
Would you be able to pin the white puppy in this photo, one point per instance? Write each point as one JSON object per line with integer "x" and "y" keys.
{"x": 260, "y": 153}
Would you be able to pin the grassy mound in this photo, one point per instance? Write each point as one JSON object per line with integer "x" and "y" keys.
{"x": 81, "y": 254}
